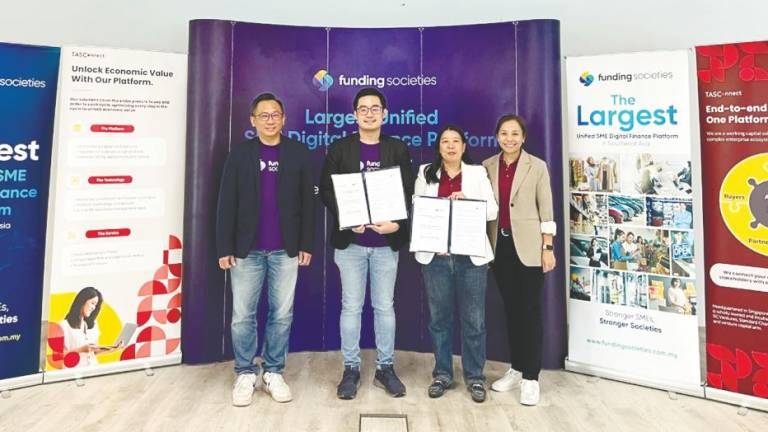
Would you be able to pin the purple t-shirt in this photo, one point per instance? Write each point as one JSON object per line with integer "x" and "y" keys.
{"x": 268, "y": 236}
{"x": 370, "y": 160}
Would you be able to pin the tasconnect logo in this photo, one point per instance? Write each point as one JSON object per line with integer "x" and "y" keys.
{"x": 322, "y": 80}
{"x": 586, "y": 78}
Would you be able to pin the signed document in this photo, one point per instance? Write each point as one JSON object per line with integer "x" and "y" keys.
{"x": 386, "y": 200}
{"x": 350, "y": 200}
{"x": 442, "y": 225}
{"x": 431, "y": 224}
{"x": 468, "y": 222}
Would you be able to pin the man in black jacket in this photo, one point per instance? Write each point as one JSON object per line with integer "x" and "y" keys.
{"x": 371, "y": 249}
{"x": 265, "y": 226}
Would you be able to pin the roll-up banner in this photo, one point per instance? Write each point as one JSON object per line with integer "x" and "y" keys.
{"x": 114, "y": 245}
{"x": 634, "y": 296}
{"x": 733, "y": 99}
{"x": 28, "y": 77}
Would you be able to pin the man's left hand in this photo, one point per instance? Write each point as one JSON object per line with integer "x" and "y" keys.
{"x": 304, "y": 258}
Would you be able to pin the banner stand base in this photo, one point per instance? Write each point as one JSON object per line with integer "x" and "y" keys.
{"x": 738, "y": 399}
{"x": 586, "y": 369}
{"x": 110, "y": 368}
{"x": 19, "y": 382}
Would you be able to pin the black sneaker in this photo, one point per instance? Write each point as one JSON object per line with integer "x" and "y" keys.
{"x": 386, "y": 379}
{"x": 349, "y": 384}
{"x": 477, "y": 390}
{"x": 438, "y": 387}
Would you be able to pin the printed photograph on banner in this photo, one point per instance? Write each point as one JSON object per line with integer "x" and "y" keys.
{"x": 588, "y": 212}
{"x": 672, "y": 294}
{"x": 609, "y": 287}
{"x": 682, "y": 254}
{"x": 110, "y": 320}
{"x": 669, "y": 212}
{"x": 629, "y": 210}
{"x": 640, "y": 249}
{"x": 581, "y": 284}
{"x": 636, "y": 290}
{"x": 653, "y": 174}
{"x": 594, "y": 173}
{"x": 589, "y": 251}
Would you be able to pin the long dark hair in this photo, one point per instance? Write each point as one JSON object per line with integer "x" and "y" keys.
{"x": 431, "y": 171}
{"x": 85, "y": 294}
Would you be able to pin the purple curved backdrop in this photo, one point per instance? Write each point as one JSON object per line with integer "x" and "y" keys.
{"x": 470, "y": 75}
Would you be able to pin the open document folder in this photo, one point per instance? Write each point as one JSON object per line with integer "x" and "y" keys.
{"x": 369, "y": 197}
{"x": 442, "y": 225}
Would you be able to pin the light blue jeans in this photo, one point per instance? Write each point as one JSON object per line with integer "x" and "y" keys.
{"x": 355, "y": 264}
{"x": 247, "y": 281}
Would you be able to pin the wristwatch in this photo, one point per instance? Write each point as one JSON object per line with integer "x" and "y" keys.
{"x": 548, "y": 247}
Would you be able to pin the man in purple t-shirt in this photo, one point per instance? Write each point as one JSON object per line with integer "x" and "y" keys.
{"x": 264, "y": 227}
{"x": 367, "y": 250}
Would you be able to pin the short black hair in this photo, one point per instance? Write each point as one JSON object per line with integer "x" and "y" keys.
{"x": 266, "y": 97}
{"x": 507, "y": 117}
{"x": 369, "y": 91}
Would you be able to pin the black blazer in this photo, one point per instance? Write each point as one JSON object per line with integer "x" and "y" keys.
{"x": 344, "y": 158}
{"x": 237, "y": 215}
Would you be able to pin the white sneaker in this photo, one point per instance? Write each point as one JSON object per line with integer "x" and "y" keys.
{"x": 276, "y": 387}
{"x": 529, "y": 392}
{"x": 242, "y": 391}
{"x": 510, "y": 380}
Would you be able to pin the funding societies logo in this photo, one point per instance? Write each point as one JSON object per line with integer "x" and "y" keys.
{"x": 322, "y": 80}
{"x": 586, "y": 78}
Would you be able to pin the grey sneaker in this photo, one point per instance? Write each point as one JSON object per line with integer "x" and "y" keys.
{"x": 349, "y": 384}
{"x": 387, "y": 379}
{"x": 477, "y": 390}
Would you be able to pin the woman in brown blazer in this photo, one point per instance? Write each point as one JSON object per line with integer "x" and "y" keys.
{"x": 522, "y": 240}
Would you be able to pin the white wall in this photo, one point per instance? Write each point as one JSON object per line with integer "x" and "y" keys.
{"x": 588, "y": 27}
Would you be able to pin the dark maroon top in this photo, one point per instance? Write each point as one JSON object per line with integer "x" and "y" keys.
{"x": 448, "y": 185}
{"x": 506, "y": 176}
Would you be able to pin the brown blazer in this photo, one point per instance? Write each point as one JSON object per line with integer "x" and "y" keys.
{"x": 530, "y": 204}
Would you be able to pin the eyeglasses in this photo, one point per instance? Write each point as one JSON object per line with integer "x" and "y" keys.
{"x": 277, "y": 115}
{"x": 364, "y": 110}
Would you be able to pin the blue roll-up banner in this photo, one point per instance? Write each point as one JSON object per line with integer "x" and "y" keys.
{"x": 28, "y": 78}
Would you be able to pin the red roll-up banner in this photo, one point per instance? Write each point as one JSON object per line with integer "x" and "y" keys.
{"x": 733, "y": 99}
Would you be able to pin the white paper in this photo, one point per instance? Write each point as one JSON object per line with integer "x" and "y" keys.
{"x": 431, "y": 219}
{"x": 386, "y": 199}
{"x": 468, "y": 227}
{"x": 350, "y": 200}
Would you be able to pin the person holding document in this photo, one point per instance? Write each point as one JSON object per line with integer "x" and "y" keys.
{"x": 370, "y": 249}
{"x": 522, "y": 240}
{"x": 452, "y": 279}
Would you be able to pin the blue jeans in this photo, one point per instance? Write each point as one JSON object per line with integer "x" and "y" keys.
{"x": 449, "y": 280}
{"x": 355, "y": 264}
{"x": 247, "y": 281}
